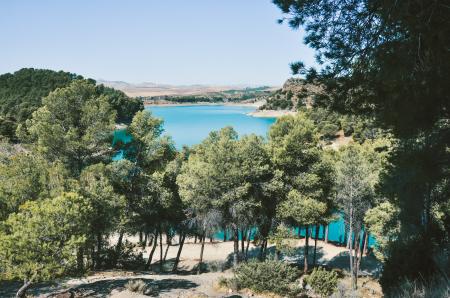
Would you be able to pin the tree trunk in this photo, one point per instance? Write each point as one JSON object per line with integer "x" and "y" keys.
{"x": 180, "y": 247}
{"x": 350, "y": 248}
{"x": 99, "y": 248}
{"x": 224, "y": 235}
{"x": 150, "y": 257}
{"x": 315, "y": 245}
{"x": 326, "y": 234}
{"x": 150, "y": 240}
{"x": 366, "y": 243}
{"x": 140, "y": 237}
{"x": 23, "y": 289}
{"x": 80, "y": 260}
{"x": 200, "y": 263}
{"x": 165, "y": 253}
{"x": 356, "y": 262}
{"x": 243, "y": 233}
{"x": 195, "y": 239}
{"x": 305, "y": 266}
{"x": 236, "y": 247}
{"x": 249, "y": 236}
{"x": 160, "y": 252}
{"x": 118, "y": 247}
{"x": 261, "y": 250}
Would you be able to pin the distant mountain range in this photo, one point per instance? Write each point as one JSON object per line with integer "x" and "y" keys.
{"x": 148, "y": 89}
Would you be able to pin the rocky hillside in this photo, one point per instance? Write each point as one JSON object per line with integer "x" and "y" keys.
{"x": 294, "y": 94}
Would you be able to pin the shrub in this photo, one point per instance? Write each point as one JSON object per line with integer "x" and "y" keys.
{"x": 271, "y": 276}
{"x": 437, "y": 287}
{"x": 136, "y": 286}
{"x": 329, "y": 130}
{"x": 323, "y": 282}
{"x": 216, "y": 266}
{"x": 229, "y": 283}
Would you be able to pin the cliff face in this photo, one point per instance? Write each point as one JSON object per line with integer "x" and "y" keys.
{"x": 294, "y": 94}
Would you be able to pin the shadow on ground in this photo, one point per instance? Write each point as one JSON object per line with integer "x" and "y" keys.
{"x": 369, "y": 264}
{"x": 101, "y": 288}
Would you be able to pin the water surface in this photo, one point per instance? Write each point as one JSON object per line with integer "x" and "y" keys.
{"x": 189, "y": 125}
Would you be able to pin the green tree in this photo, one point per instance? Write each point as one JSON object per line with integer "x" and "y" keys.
{"x": 74, "y": 126}
{"x": 387, "y": 60}
{"x": 355, "y": 183}
{"x": 295, "y": 149}
{"x": 139, "y": 178}
{"x": 39, "y": 242}
{"x": 24, "y": 176}
{"x": 303, "y": 211}
{"x": 106, "y": 206}
{"x": 383, "y": 223}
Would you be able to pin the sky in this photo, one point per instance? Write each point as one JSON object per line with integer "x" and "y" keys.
{"x": 177, "y": 42}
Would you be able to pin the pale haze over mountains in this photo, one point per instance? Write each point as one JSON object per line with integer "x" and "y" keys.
{"x": 153, "y": 89}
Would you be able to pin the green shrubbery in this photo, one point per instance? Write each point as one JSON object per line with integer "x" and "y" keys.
{"x": 269, "y": 276}
{"x": 323, "y": 282}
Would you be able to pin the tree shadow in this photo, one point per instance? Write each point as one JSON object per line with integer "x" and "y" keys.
{"x": 293, "y": 256}
{"x": 104, "y": 287}
{"x": 101, "y": 288}
{"x": 369, "y": 264}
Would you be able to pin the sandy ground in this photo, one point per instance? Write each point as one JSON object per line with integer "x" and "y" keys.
{"x": 271, "y": 113}
{"x": 186, "y": 283}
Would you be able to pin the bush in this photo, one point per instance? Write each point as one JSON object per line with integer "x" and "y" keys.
{"x": 136, "y": 286}
{"x": 271, "y": 276}
{"x": 329, "y": 130}
{"x": 323, "y": 282}
{"x": 216, "y": 266}
{"x": 437, "y": 287}
{"x": 229, "y": 283}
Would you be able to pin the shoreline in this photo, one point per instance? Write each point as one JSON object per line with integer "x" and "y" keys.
{"x": 256, "y": 113}
{"x": 256, "y": 104}
{"x": 271, "y": 113}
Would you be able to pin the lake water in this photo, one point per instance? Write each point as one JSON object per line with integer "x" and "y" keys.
{"x": 189, "y": 125}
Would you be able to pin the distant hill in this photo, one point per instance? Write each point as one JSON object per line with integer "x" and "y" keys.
{"x": 21, "y": 94}
{"x": 294, "y": 94}
{"x": 148, "y": 89}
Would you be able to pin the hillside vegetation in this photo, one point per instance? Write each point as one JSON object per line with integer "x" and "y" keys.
{"x": 21, "y": 94}
{"x": 233, "y": 95}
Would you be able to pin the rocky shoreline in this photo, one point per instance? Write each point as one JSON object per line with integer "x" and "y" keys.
{"x": 271, "y": 113}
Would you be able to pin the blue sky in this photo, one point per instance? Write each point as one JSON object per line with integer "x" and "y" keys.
{"x": 175, "y": 42}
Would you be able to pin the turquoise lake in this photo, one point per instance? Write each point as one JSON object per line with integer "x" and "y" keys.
{"x": 189, "y": 125}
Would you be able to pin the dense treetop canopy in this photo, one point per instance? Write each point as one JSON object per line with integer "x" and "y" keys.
{"x": 387, "y": 57}
{"x": 21, "y": 94}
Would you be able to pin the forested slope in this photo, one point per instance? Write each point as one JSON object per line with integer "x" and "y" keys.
{"x": 21, "y": 94}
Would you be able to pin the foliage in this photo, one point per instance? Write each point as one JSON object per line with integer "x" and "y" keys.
{"x": 385, "y": 60}
{"x": 21, "y": 94}
{"x": 22, "y": 91}
{"x": 24, "y": 176}
{"x": 415, "y": 264}
{"x": 284, "y": 241}
{"x": 437, "y": 287}
{"x": 323, "y": 282}
{"x": 126, "y": 107}
{"x": 383, "y": 223}
{"x": 268, "y": 276}
{"x": 74, "y": 126}
{"x": 39, "y": 242}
